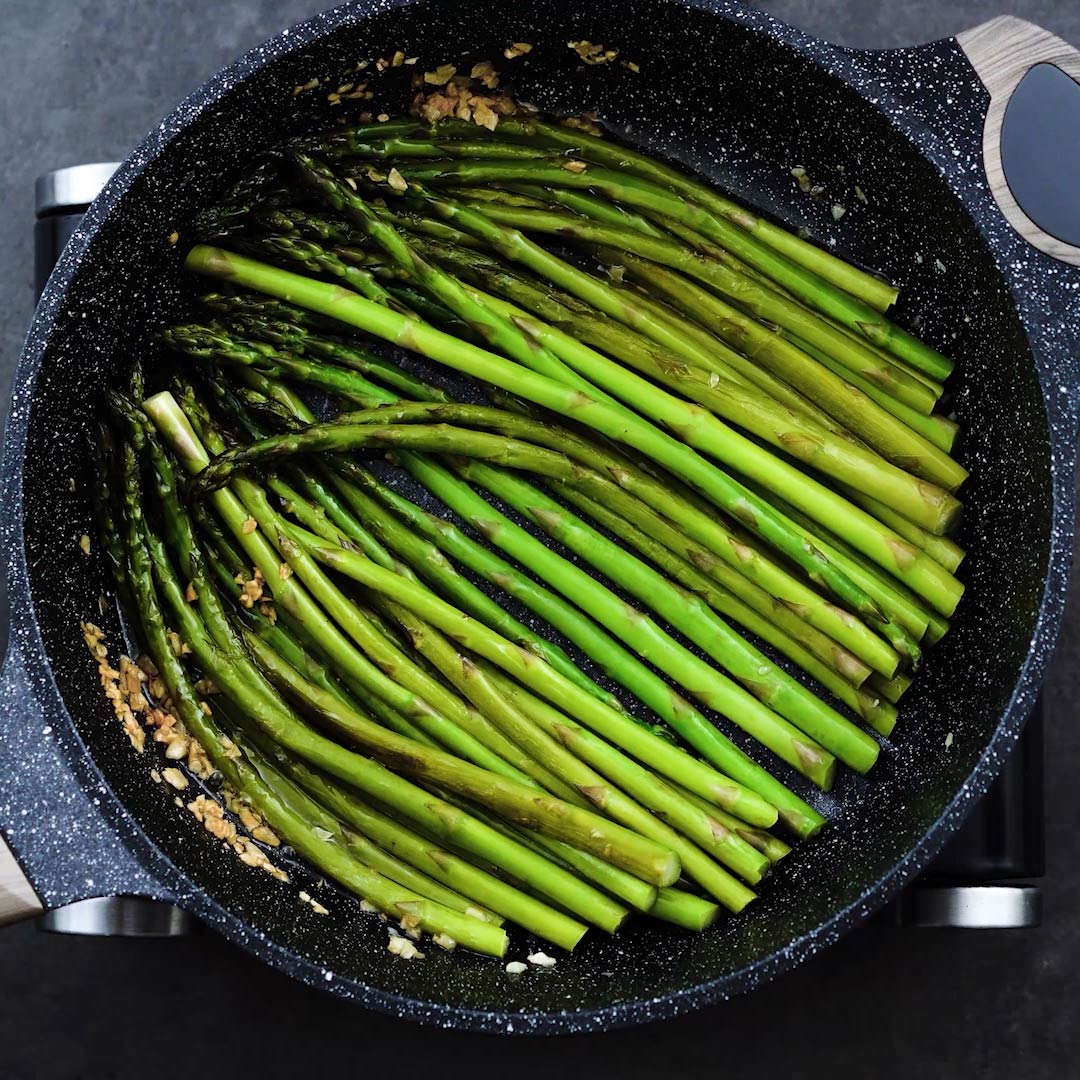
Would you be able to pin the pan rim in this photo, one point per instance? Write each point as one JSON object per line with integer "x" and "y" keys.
{"x": 842, "y": 63}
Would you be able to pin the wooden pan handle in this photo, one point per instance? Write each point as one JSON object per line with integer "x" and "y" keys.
{"x": 1003, "y": 51}
{"x": 17, "y": 897}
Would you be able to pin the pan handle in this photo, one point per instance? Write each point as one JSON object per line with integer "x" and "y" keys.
{"x": 17, "y": 897}
{"x": 1003, "y": 51}
{"x": 64, "y": 837}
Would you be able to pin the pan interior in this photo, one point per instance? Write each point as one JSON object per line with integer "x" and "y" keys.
{"x": 744, "y": 109}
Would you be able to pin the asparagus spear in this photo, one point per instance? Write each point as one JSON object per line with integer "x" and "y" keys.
{"x": 296, "y": 818}
{"x": 442, "y": 864}
{"x": 173, "y": 426}
{"x": 707, "y": 783}
{"x": 801, "y": 753}
{"x": 863, "y": 410}
{"x": 935, "y": 428}
{"x": 614, "y": 472}
{"x": 515, "y": 802}
{"x": 643, "y": 788}
{"x": 610, "y": 878}
{"x": 549, "y": 719}
{"x": 630, "y": 191}
{"x": 897, "y": 555}
{"x": 879, "y": 294}
{"x": 360, "y": 429}
{"x": 497, "y": 330}
{"x": 436, "y": 711}
{"x": 432, "y": 565}
{"x": 671, "y": 342}
{"x": 727, "y": 276}
{"x": 617, "y": 661}
{"x": 877, "y": 714}
{"x": 686, "y": 613}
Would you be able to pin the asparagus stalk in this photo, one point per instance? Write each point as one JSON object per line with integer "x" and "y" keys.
{"x": 495, "y": 329}
{"x": 707, "y": 783}
{"x": 339, "y": 436}
{"x": 549, "y": 719}
{"x": 513, "y": 801}
{"x": 296, "y": 818}
{"x": 505, "y": 757}
{"x": 616, "y": 661}
{"x": 687, "y": 613}
{"x": 299, "y": 341}
{"x": 891, "y": 689}
{"x": 901, "y": 558}
{"x": 580, "y": 202}
{"x": 875, "y": 292}
{"x": 728, "y": 276}
{"x": 209, "y": 345}
{"x": 611, "y": 879}
{"x": 659, "y": 325}
{"x": 670, "y": 342}
{"x": 613, "y": 471}
{"x": 935, "y": 428}
{"x": 877, "y": 714}
{"x": 378, "y": 146}
{"x": 428, "y": 561}
{"x": 316, "y": 259}
{"x": 623, "y": 188}
{"x": 788, "y": 429}
{"x": 441, "y": 864}
{"x": 719, "y": 831}
{"x": 564, "y": 753}
{"x": 293, "y": 221}
{"x": 515, "y": 452}
{"x": 353, "y": 769}
{"x": 661, "y": 755}
{"x": 372, "y": 830}
{"x": 852, "y": 399}
{"x": 941, "y": 549}
{"x": 834, "y": 455}
{"x": 431, "y": 706}
{"x": 647, "y": 638}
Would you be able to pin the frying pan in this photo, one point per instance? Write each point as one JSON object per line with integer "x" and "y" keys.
{"x": 743, "y": 99}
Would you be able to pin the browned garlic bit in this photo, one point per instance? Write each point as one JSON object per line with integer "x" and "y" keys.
{"x": 212, "y": 816}
{"x": 127, "y": 689}
{"x": 174, "y": 778}
{"x": 465, "y": 97}
{"x": 118, "y": 685}
{"x": 251, "y": 592}
{"x": 593, "y": 54}
{"x": 315, "y": 905}
{"x": 403, "y": 947}
{"x": 801, "y": 177}
{"x": 485, "y": 73}
{"x": 517, "y": 48}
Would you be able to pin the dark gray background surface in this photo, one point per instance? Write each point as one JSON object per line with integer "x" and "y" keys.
{"x": 83, "y": 80}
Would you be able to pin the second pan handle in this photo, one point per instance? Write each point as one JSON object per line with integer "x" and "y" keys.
{"x": 1003, "y": 51}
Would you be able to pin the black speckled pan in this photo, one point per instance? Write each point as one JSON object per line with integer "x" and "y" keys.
{"x": 742, "y": 98}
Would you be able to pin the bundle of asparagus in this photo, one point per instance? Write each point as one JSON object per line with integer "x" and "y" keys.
{"x": 708, "y": 460}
